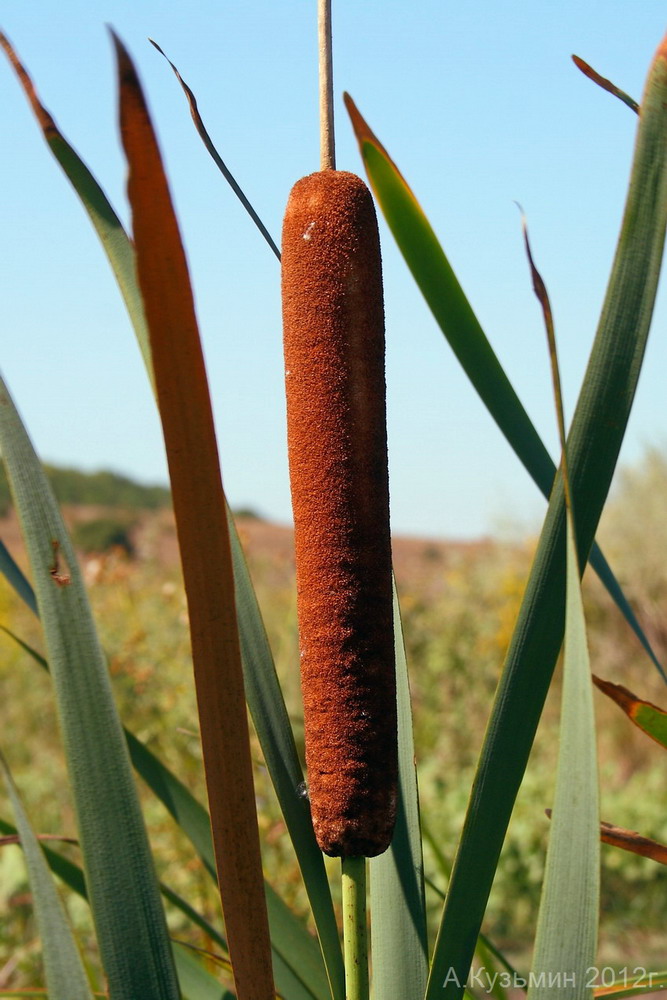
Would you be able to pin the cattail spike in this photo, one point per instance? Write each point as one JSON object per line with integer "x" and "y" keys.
{"x": 334, "y": 362}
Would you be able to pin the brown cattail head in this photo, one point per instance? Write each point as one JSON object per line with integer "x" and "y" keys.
{"x": 333, "y": 321}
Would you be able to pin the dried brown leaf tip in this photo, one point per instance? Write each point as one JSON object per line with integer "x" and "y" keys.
{"x": 45, "y": 120}
{"x": 333, "y": 319}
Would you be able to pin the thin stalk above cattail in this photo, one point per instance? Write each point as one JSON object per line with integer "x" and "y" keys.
{"x": 333, "y": 319}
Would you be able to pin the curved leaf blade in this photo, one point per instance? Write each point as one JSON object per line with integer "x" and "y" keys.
{"x": 594, "y": 442}
{"x": 567, "y": 923}
{"x": 447, "y": 301}
{"x": 65, "y": 976}
{"x": 107, "y": 225}
{"x": 125, "y": 899}
{"x": 398, "y": 909}
{"x": 215, "y": 155}
{"x": 265, "y": 698}
{"x": 198, "y": 499}
{"x": 605, "y": 84}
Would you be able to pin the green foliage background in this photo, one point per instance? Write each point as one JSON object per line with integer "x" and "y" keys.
{"x": 459, "y": 603}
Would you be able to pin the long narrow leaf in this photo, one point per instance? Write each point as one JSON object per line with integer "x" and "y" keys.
{"x": 215, "y": 155}
{"x": 265, "y": 698}
{"x": 107, "y": 225}
{"x": 593, "y": 445}
{"x": 125, "y": 899}
{"x": 16, "y": 578}
{"x": 298, "y": 962}
{"x": 272, "y": 724}
{"x": 65, "y": 976}
{"x": 453, "y": 313}
{"x": 199, "y": 508}
{"x": 605, "y": 84}
{"x": 566, "y": 936}
{"x": 397, "y": 876}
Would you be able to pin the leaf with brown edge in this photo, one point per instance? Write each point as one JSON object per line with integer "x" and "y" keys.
{"x": 117, "y": 247}
{"x": 651, "y": 719}
{"x": 199, "y": 507}
{"x": 606, "y": 84}
{"x": 630, "y": 840}
{"x": 454, "y": 315}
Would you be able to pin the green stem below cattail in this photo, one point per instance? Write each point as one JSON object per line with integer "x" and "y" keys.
{"x": 355, "y": 937}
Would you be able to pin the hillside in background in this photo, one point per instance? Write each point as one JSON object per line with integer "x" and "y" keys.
{"x": 100, "y": 489}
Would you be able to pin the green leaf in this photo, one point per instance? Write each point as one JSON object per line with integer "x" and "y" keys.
{"x": 199, "y": 509}
{"x": 454, "y": 314}
{"x": 16, "y": 578}
{"x": 298, "y": 964}
{"x": 566, "y": 936}
{"x": 117, "y": 247}
{"x": 125, "y": 899}
{"x": 197, "y": 983}
{"x": 593, "y": 445}
{"x": 398, "y": 911}
{"x": 269, "y": 715}
{"x": 265, "y": 698}
{"x": 65, "y": 976}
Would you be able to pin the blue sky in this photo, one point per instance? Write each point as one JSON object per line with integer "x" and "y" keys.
{"x": 478, "y": 103}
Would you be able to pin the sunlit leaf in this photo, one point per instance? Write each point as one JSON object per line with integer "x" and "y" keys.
{"x": 199, "y": 509}
{"x": 458, "y": 322}
{"x": 107, "y": 225}
{"x": 397, "y": 876}
{"x": 123, "y": 890}
{"x": 566, "y": 935}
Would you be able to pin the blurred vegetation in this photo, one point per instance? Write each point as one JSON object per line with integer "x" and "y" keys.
{"x": 459, "y": 602}
{"x": 104, "y": 489}
{"x": 103, "y": 534}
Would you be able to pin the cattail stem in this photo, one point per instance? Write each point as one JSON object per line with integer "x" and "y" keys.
{"x": 355, "y": 937}
{"x": 327, "y": 146}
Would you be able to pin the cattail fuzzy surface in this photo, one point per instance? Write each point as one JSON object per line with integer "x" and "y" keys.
{"x": 333, "y": 320}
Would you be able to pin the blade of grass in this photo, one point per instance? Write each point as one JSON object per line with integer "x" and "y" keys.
{"x": 455, "y": 317}
{"x": 567, "y": 924}
{"x": 297, "y": 959}
{"x": 486, "y": 951}
{"x": 199, "y": 508}
{"x": 299, "y": 970}
{"x": 65, "y": 975}
{"x": 272, "y": 724}
{"x": 16, "y": 578}
{"x": 107, "y": 225}
{"x": 125, "y": 901}
{"x": 265, "y": 698}
{"x": 397, "y": 876}
{"x": 606, "y": 84}
{"x": 217, "y": 159}
{"x": 593, "y": 445}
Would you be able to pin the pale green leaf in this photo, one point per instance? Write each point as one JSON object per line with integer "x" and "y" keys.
{"x": 65, "y": 976}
